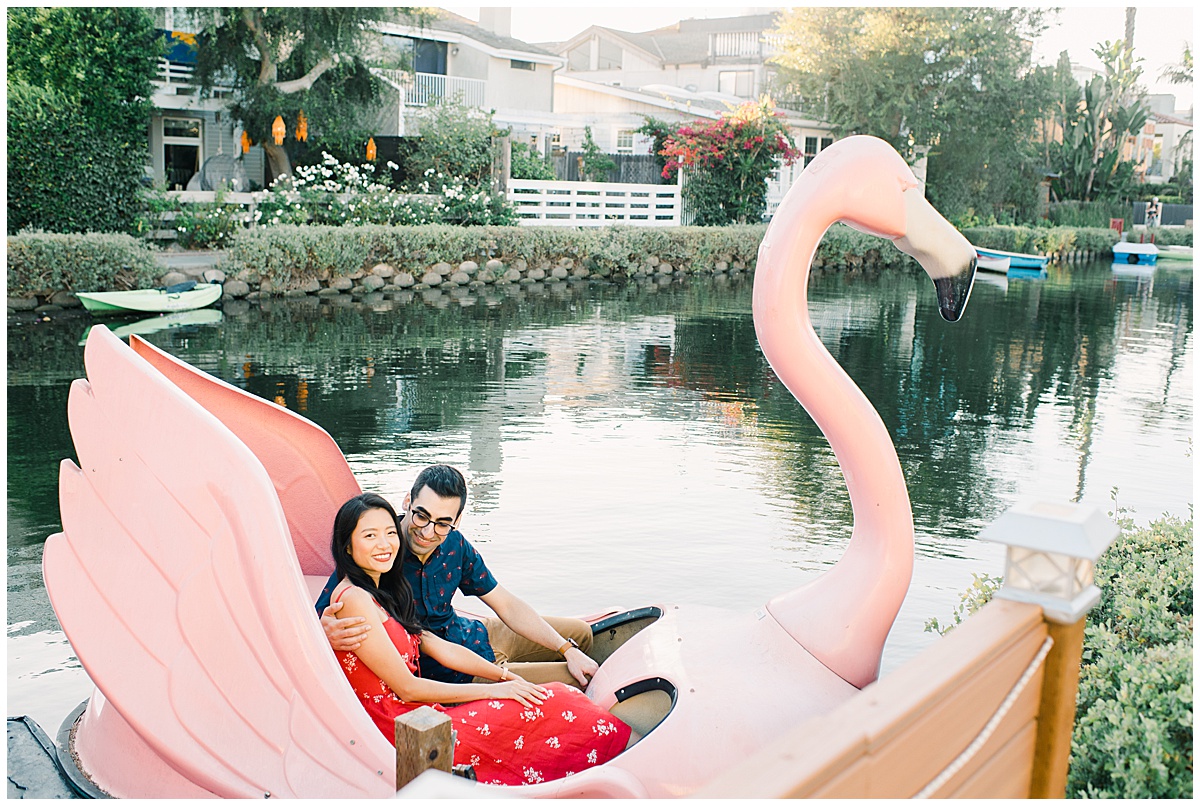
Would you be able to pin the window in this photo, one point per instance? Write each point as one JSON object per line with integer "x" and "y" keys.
{"x": 810, "y": 149}
{"x": 519, "y": 65}
{"x": 580, "y": 57}
{"x": 736, "y": 82}
{"x": 182, "y": 150}
{"x": 625, "y": 141}
{"x": 610, "y": 56}
{"x": 418, "y": 55}
{"x": 826, "y": 142}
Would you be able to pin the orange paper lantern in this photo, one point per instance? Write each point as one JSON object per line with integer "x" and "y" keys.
{"x": 301, "y": 126}
{"x": 246, "y": 143}
{"x": 278, "y": 130}
{"x": 371, "y": 150}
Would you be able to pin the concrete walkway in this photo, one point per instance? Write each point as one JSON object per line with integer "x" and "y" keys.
{"x": 192, "y": 264}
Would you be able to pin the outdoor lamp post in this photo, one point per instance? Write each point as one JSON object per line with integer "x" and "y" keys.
{"x": 1052, "y": 553}
{"x": 1051, "y": 559}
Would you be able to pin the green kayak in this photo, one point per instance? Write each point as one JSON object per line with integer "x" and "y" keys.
{"x": 152, "y": 300}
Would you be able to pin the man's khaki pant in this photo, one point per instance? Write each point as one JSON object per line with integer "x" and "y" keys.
{"x": 532, "y": 661}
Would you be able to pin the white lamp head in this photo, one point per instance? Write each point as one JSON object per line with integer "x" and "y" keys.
{"x": 1052, "y": 553}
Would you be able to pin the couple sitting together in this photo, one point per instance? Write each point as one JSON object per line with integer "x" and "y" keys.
{"x": 386, "y": 611}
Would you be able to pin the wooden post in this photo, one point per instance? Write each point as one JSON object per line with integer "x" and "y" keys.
{"x": 1056, "y": 712}
{"x": 423, "y": 742}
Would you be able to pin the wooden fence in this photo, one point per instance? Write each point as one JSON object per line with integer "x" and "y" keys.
{"x": 967, "y": 718}
{"x": 594, "y": 204}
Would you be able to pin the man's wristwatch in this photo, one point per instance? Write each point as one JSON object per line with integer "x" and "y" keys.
{"x": 567, "y": 644}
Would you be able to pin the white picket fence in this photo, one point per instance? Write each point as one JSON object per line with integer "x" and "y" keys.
{"x": 594, "y": 204}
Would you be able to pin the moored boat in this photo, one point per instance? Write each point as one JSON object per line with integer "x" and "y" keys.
{"x": 1175, "y": 253}
{"x": 1126, "y": 252}
{"x": 182, "y": 297}
{"x": 1017, "y": 260}
{"x": 996, "y": 264}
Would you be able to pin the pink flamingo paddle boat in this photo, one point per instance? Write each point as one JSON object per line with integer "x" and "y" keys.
{"x": 196, "y": 532}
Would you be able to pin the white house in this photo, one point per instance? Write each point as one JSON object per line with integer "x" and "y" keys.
{"x": 726, "y": 55}
{"x": 450, "y": 56}
{"x": 480, "y": 63}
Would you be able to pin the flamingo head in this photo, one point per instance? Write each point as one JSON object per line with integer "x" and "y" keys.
{"x": 878, "y": 194}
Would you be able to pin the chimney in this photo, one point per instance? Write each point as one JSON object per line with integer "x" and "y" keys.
{"x": 497, "y": 20}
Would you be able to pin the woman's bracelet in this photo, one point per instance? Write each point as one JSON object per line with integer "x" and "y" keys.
{"x": 503, "y": 674}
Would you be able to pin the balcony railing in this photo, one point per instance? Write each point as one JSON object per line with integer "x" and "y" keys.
{"x": 422, "y": 89}
{"x": 737, "y": 44}
{"x": 176, "y": 78}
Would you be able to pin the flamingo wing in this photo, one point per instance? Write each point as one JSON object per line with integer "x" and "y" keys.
{"x": 306, "y": 466}
{"x": 175, "y": 580}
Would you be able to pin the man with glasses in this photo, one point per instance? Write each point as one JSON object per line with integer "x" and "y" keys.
{"x": 518, "y": 638}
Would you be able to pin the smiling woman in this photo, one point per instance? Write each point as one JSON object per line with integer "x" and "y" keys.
{"x": 510, "y": 731}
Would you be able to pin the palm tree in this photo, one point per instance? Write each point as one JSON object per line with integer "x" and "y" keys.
{"x": 1181, "y": 71}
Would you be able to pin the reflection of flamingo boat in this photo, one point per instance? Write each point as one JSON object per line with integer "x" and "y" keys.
{"x": 181, "y": 585}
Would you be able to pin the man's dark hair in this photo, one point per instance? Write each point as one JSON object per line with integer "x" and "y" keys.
{"x": 445, "y": 481}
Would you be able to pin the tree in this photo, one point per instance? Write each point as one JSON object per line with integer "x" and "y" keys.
{"x": 955, "y": 80}
{"x": 594, "y": 165}
{"x": 282, "y": 61}
{"x": 1090, "y": 159}
{"x": 78, "y": 112}
{"x": 1181, "y": 71}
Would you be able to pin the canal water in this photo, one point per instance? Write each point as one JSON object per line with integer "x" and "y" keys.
{"x": 630, "y": 445}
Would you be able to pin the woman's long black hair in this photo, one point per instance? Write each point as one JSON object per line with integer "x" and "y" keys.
{"x": 393, "y": 593}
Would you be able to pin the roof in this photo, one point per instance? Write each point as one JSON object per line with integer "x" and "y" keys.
{"x": 1162, "y": 117}
{"x": 449, "y": 21}
{"x": 685, "y": 42}
{"x": 699, "y": 105}
{"x": 451, "y": 27}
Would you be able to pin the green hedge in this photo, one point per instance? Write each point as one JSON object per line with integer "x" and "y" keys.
{"x": 42, "y": 263}
{"x": 62, "y": 175}
{"x": 290, "y": 255}
{"x": 1053, "y": 240}
{"x": 1133, "y": 721}
{"x": 1133, "y": 714}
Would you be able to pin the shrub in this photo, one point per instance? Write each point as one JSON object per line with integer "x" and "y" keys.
{"x": 1133, "y": 714}
{"x": 78, "y": 110}
{"x": 42, "y": 263}
{"x": 1133, "y": 724}
{"x": 730, "y": 160}
{"x": 455, "y": 140}
{"x": 62, "y": 177}
{"x": 336, "y": 193}
{"x": 290, "y": 255}
{"x": 528, "y": 164}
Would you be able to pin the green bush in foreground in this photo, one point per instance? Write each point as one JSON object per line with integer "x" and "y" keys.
{"x": 1133, "y": 721}
{"x": 42, "y": 263}
{"x": 1133, "y": 715}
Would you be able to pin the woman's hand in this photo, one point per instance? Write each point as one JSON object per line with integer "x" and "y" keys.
{"x": 524, "y": 692}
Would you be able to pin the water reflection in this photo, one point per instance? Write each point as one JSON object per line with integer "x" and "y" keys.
{"x": 627, "y": 445}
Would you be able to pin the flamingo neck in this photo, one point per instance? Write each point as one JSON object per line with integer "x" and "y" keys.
{"x": 842, "y": 617}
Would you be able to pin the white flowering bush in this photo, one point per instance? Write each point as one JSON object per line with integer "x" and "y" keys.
{"x": 457, "y": 204}
{"x": 341, "y": 194}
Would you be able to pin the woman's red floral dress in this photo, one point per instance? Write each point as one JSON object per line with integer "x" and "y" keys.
{"x": 505, "y": 741}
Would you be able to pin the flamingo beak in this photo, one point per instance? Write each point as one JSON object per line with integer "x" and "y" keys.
{"x": 943, "y": 252}
{"x": 953, "y": 293}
